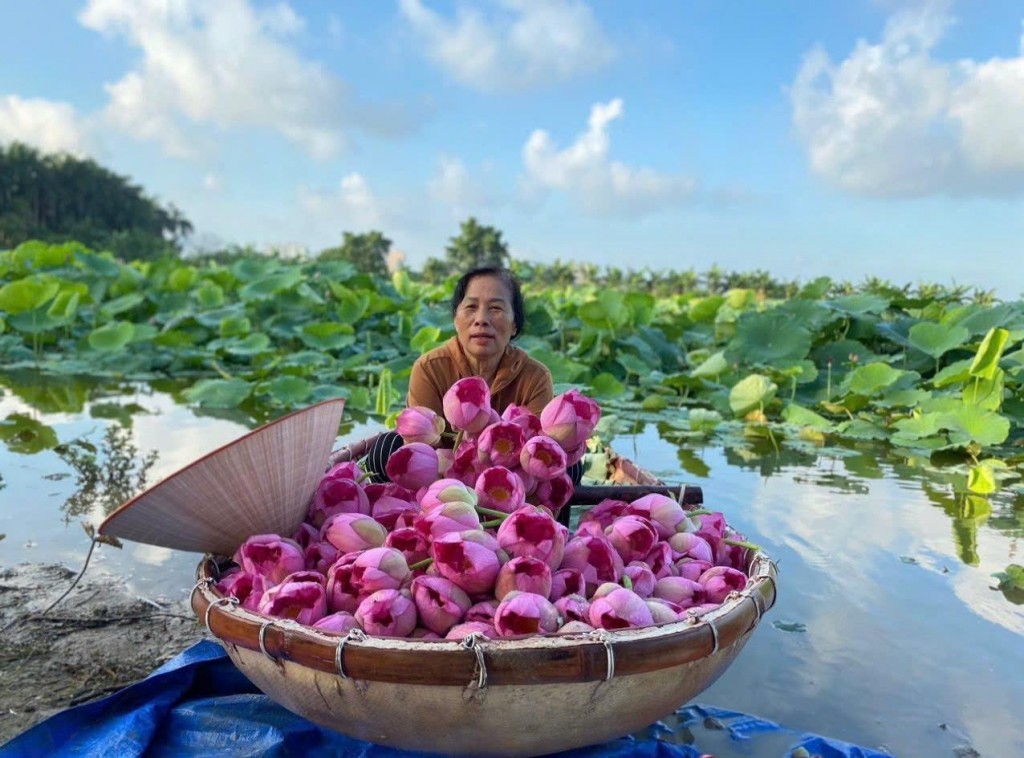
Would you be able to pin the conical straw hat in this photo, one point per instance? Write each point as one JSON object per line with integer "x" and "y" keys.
{"x": 259, "y": 484}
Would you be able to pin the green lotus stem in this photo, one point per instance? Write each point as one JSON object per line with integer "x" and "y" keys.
{"x": 627, "y": 582}
{"x": 500, "y": 515}
{"x": 698, "y": 512}
{"x": 489, "y": 524}
{"x": 421, "y": 564}
{"x": 742, "y": 543}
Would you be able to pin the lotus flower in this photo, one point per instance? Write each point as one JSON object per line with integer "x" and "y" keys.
{"x": 575, "y": 455}
{"x": 522, "y": 417}
{"x": 525, "y": 613}
{"x": 719, "y": 581}
{"x": 569, "y": 419}
{"x": 632, "y": 536}
{"x": 619, "y": 608}
{"x": 641, "y": 577}
{"x": 301, "y": 601}
{"x": 501, "y": 444}
{"x": 575, "y": 627}
{"x": 567, "y": 581}
{"x": 604, "y": 513}
{"x": 380, "y": 568}
{"x": 466, "y": 464}
{"x": 247, "y": 587}
{"x": 446, "y": 491}
{"x": 574, "y": 608}
{"x": 271, "y": 556}
{"x": 419, "y": 424}
{"x": 441, "y": 603}
{"x": 690, "y": 545}
{"x": 667, "y": 516}
{"x": 683, "y": 592}
{"x": 483, "y": 611}
{"x": 342, "y": 595}
{"x": 338, "y": 623}
{"x": 542, "y": 458}
{"x": 413, "y": 465}
{"x": 525, "y": 574}
{"x": 467, "y": 560}
{"x": 413, "y": 545}
{"x": 533, "y": 532}
{"x": 691, "y": 568}
{"x": 387, "y": 613}
{"x": 660, "y": 560}
{"x": 596, "y": 558}
{"x": 422, "y": 633}
{"x": 445, "y": 459}
{"x": 553, "y": 494}
{"x": 349, "y": 532}
{"x": 346, "y": 470}
{"x": 467, "y": 404}
{"x": 499, "y": 489}
{"x": 662, "y": 611}
{"x": 456, "y": 516}
{"x": 463, "y": 630}
{"x": 336, "y": 495}
{"x": 320, "y": 556}
{"x": 306, "y": 535}
{"x": 389, "y": 501}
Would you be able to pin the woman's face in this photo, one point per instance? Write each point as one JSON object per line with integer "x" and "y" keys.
{"x": 484, "y": 321}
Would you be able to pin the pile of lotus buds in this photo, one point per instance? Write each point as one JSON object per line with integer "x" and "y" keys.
{"x": 467, "y": 541}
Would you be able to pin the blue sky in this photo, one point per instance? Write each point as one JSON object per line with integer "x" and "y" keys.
{"x": 852, "y": 138}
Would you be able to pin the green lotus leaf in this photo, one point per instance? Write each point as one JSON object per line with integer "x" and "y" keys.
{"x": 604, "y": 386}
{"x": 972, "y": 423}
{"x": 925, "y": 444}
{"x": 987, "y": 393}
{"x": 704, "y": 420}
{"x": 608, "y": 311}
{"x": 25, "y": 435}
{"x": 562, "y": 369}
{"x": 936, "y": 339}
{"x": 252, "y": 344}
{"x": 981, "y": 480}
{"x": 923, "y": 425}
{"x": 174, "y": 338}
{"x": 903, "y": 398}
{"x": 352, "y": 304}
{"x": 27, "y": 294}
{"x": 235, "y": 326}
{"x": 873, "y": 378}
{"x": 426, "y": 339}
{"x": 287, "y": 390}
{"x": 751, "y": 392}
{"x": 986, "y": 360}
{"x": 182, "y": 279}
{"x": 654, "y": 403}
{"x": 209, "y": 295}
{"x": 842, "y": 356}
{"x": 272, "y": 285}
{"x": 642, "y": 307}
{"x": 957, "y": 372}
{"x": 982, "y": 320}
{"x": 219, "y": 393}
{"x": 805, "y": 417}
{"x": 112, "y": 336}
{"x": 64, "y": 306}
{"x": 862, "y": 429}
{"x": 38, "y": 321}
{"x": 118, "y": 305}
{"x": 323, "y": 392}
{"x": 704, "y": 310}
{"x": 250, "y": 269}
{"x": 713, "y": 366}
{"x": 633, "y": 363}
{"x": 327, "y": 335}
{"x": 858, "y": 305}
{"x": 769, "y": 338}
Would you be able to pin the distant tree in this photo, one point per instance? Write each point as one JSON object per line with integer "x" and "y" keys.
{"x": 475, "y": 246}
{"x": 57, "y": 198}
{"x": 367, "y": 252}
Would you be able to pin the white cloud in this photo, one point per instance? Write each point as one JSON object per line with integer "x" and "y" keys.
{"x": 892, "y": 120}
{"x": 584, "y": 171}
{"x": 454, "y": 187}
{"x": 528, "y": 43}
{"x": 352, "y": 205}
{"x": 49, "y": 126}
{"x": 221, "y": 64}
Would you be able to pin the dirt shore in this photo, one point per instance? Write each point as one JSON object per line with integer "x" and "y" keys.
{"x": 97, "y": 640}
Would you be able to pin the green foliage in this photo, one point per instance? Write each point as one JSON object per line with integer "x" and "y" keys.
{"x": 475, "y": 246}
{"x": 368, "y": 253}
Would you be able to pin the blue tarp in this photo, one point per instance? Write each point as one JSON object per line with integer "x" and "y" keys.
{"x": 200, "y": 704}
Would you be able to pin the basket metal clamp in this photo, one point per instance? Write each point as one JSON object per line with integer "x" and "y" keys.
{"x": 604, "y": 637}
{"x": 474, "y": 642}
{"x": 228, "y": 600}
{"x": 353, "y": 635}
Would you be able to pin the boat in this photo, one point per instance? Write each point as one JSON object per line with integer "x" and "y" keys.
{"x": 513, "y": 696}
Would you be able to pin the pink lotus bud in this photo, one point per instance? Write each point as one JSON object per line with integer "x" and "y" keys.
{"x": 387, "y": 613}
{"x": 569, "y": 419}
{"x": 461, "y": 631}
{"x": 642, "y": 578}
{"x": 306, "y": 535}
{"x": 525, "y": 613}
{"x": 575, "y": 455}
{"x": 689, "y": 545}
{"x": 632, "y": 536}
{"x": 733, "y": 556}
{"x": 466, "y": 463}
{"x": 604, "y": 513}
{"x": 567, "y": 581}
{"x": 483, "y": 611}
{"x": 342, "y": 594}
{"x": 440, "y": 603}
{"x": 553, "y": 494}
{"x": 446, "y": 491}
{"x": 248, "y": 588}
{"x": 719, "y": 581}
{"x": 619, "y": 609}
{"x": 501, "y": 444}
{"x": 691, "y": 568}
{"x": 660, "y": 560}
{"x": 667, "y": 516}
{"x": 525, "y": 574}
{"x": 463, "y": 559}
{"x": 337, "y": 623}
{"x": 712, "y": 525}
{"x": 574, "y": 608}
{"x": 413, "y": 465}
{"x": 336, "y": 495}
{"x": 320, "y": 556}
{"x": 575, "y": 627}
{"x": 346, "y": 470}
{"x": 542, "y": 458}
{"x": 301, "y": 601}
{"x": 683, "y": 592}
{"x": 596, "y": 558}
{"x": 445, "y": 459}
{"x": 389, "y": 501}
{"x": 380, "y": 568}
{"x": 524, "y": 418}
{"x": 412, "y": 544}
{"x": 419, "y": 424}
{"x": 532, "y": 532}
{"x": 499, "y": 489}
{"x": 455, "y": 516}
{"x": 422, "y": 633}
{"x": 353, "y": 531}
{"x": 271, "y": 556}
{"x": 467, "y": 404}
{"x": 662, "y": 611}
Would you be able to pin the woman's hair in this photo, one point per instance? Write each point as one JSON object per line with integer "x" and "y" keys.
{"x": 507, "y": 278}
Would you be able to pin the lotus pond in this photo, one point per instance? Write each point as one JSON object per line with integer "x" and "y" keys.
{"x": 890, "y": 631}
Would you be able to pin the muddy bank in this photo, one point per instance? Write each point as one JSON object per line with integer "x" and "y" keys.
{"x": 97, "y": 640}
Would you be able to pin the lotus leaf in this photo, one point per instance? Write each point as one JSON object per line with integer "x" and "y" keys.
{"x": 608, "y": 311}
{"x": 704, "y": 310}
{"x": 562, "y": 369}
{"x": 923, "y": 425}
{"x": 769, "y": 338}
{"x": 112, "y": 336}
{"x": 37, "y": 321}
{"x": 632, "y": 363}
{"x": 871, "y": 379}
{"x": 903, "y": 398}
{"x": 252, "y": 344}
{"x": 985, "y": 393}
{"x": 28, "y": 294}
{"x": 272, "y": 285}
{"x": 352, "y": 305}
{"x": 64, "y": 306}
{"x": 210, "y": 295}
{"x": 605, "y": 386}
{"x": 235, "y": 326}
{"x": 937, "y": 339}
{"x": 971, "y": 423}
{"x": 858, "y": 305}
{"x": 219, "y": 393}
{"x": 986, "y": 360}
{"x": 287, "y": 390}
{"x": 981, "y": 480}
{"x": 654, "y": 403}
{"x": 982, "y": 320}
{"x": 816, "y": 288}
{"x": 182, "y": 279}
{"x": 328, "y": 335}
{"x": 862, "y": 429}
{"x": 642, "y": 307}
{"x": 704, "y": 421}
{"x": 713, "y": 366}
{"x": 121, "y": 304}
{"x": 955, "y": 373}
{"x": 23, "y": 434}
{"x": 804, "y": 417}
{"x": 751, "y": 392}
